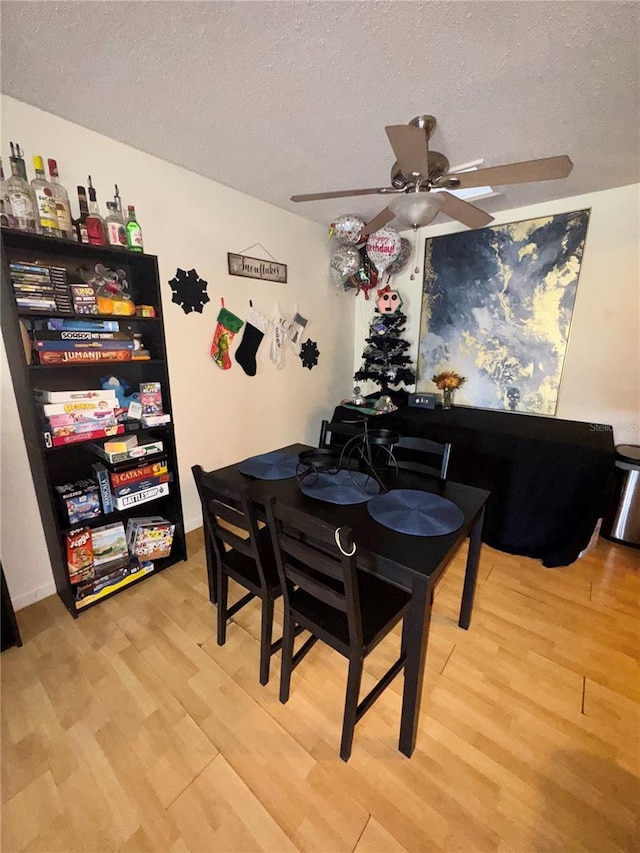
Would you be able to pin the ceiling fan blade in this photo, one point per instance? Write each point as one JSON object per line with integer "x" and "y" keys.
{"x": 378, "y": 221}
{"x": 344, "y": 193}
{"x": 545, "y": 169}
{"x": 464, "y": 212}
{"x": 411, "y": 149}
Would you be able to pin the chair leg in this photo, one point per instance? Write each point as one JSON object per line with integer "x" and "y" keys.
{"x": 223, "y": 591}
{"x": 350, "y": 706}
{"x": 287, "y": 655}
{"x": 265, "y": 638}
{"x": 212, "y": 572}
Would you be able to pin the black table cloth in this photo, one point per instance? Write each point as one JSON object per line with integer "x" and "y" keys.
{"x": 549, "y": 478}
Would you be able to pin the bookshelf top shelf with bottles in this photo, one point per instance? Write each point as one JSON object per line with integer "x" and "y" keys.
{"x": 59, "y": 246}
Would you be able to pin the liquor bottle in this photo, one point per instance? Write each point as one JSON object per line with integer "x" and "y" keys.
{"x": 81, "y": 222}
{"x": 21, "y": 198}
{"x": 17, "y": 155}
{"x": 61, "y": 197}
{"x": 134, "y": 232}
{"x": 7, "y": 219}
{"x": 95, "y": 223}
{"x": 118, "y": 201}
{"x": 114, "y": 226}
{"x": 45, "y": 200}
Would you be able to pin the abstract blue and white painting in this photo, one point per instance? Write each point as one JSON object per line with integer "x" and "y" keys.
{"x": 496, "y": 308}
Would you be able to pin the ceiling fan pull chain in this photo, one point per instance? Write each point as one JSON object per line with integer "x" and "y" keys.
{"x": 415, "y": 254}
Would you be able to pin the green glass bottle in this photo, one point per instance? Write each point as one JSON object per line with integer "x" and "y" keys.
{"x": 134, "y": 232}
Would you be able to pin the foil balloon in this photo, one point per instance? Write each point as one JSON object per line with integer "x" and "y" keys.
{"x": 403, "y": 258}
{"x": 345, "y": 261}
{"x": 347, "y": 229}
{"x": 383, "y": 247}
{"x": 366, "y": 278}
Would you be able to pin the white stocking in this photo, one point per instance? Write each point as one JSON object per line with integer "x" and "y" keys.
{"x": 280, "y": 328}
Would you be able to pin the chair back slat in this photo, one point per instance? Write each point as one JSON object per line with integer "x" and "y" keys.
{"x": 315, "y": 587}
{"x": 234, "y": 541}
{"x": 345, "y": 430}
{"x": 307, "y": 556}
{"x": 420, "y": 455}
{"x": 311, "y": 556}
{"x": 233, "y": 506}
{"x": 230, "y": 514}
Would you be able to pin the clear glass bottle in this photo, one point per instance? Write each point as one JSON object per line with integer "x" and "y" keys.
{"x": 61, "y": 197}
{"x": 7, "y": 219}
{"x": 134, "y": 232}
{"x": 48, "y": 218}
{"x": 81, "y": 222}
{"x": 118, "y": 201}
{"x": 95, "y": 223}
{"x": 21, "y": 199}
{"x": 114, "y": 227}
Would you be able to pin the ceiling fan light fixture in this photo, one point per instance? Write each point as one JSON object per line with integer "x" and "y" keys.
{"x": 416, "y": 209}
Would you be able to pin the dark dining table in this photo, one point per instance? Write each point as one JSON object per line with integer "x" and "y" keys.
{"x": 412, "y": 563}
{"x": 550, "y": 479}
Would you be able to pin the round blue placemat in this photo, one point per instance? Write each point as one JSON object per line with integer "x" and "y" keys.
{"x": 415, "y": 512}
{"x": 276, "y": 465}
{"x": 345, "y": 487}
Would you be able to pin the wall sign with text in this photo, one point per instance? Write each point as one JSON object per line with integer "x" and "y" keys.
{"x": 248, "y": 267}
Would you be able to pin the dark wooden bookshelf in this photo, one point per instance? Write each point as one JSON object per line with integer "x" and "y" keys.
{"x": 67, "y": 463}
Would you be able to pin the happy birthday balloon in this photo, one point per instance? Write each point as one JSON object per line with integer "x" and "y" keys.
{"x": 348, "y": 228}
{"x": 383, "y": 247}
{"x": 345, "y": 261}
{"x": 403, "y": 258}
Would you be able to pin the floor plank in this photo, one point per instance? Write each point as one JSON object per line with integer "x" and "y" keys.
{"x": 131, "y": 730}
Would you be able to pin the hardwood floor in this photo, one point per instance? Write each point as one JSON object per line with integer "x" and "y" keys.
{"x": 131, "y": 730}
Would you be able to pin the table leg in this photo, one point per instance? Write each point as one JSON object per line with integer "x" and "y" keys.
{"x": 471, "y": 573}
{"x": 415, "y": 634}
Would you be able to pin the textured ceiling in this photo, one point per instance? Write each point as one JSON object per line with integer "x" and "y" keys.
{"x": 276, "y": 98}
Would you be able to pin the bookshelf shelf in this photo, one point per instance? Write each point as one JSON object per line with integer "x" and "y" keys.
{"x": 52, "y": 466}
{"x": 62, "y": 315}
{"x": 103, "y": 365}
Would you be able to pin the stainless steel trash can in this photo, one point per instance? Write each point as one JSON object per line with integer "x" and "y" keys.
{"x": 623, "y": 519}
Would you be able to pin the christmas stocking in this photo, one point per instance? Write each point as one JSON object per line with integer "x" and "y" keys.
{"x": 255, "y": 327}
{"x": 297, "y": 329}
{"x": 280, "y": 332}
{"x": 228, "y": 325}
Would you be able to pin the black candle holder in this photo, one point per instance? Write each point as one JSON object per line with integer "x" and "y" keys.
{"x": 364, "y": 453}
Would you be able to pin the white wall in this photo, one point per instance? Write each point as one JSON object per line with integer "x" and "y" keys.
{"x": 190, "y": 222}
{"x": 601, "y": 376}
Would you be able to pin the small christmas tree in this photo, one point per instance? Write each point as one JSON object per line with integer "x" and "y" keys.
{"x": 385, "y": 362}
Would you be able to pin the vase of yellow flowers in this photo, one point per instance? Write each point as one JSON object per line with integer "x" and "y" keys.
{"x": 447, "y": 382}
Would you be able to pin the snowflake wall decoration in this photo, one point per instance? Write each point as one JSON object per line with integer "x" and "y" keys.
{"x": 189, "y": 291}
{"x": 309, "y": 353}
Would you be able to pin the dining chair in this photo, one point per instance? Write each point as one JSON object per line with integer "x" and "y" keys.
{"x": 248, "y": 560}
{"x": 346, "y": 430}
{"x": 423, "y": 456}
{"x": 324, "y": 593}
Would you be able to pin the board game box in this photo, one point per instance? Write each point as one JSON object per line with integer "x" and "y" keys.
{"x": 79, "y": 501}
{"x": 133, "y": 475}
{"x": 109, "y": 545}
{"x": 79, "y": 548}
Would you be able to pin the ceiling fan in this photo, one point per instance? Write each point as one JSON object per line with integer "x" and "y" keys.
{"x": 418, "y": 171}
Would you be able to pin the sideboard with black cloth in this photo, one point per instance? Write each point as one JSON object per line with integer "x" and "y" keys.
{"x": 549, "y": 479}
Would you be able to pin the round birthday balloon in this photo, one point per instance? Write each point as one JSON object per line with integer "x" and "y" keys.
{"x": 383, "y": 247}
{"x": 348, "y": 228}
